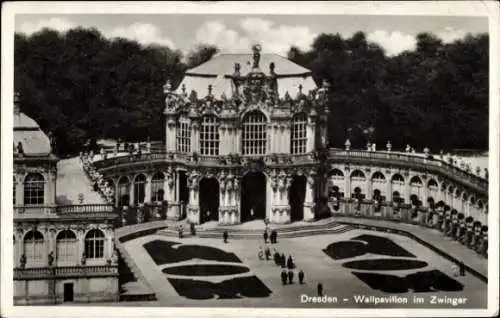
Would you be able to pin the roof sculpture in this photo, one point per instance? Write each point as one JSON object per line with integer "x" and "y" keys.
{"x": 232, "y": 83}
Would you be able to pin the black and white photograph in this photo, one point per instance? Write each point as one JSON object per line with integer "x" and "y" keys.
{"x": 260, "y": 159}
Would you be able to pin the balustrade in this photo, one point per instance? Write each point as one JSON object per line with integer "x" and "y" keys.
{"x": 64, "y": 272}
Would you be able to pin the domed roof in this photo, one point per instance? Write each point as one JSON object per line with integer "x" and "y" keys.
{"x": 215, "y": 72}
{"x": 33, "y": 140}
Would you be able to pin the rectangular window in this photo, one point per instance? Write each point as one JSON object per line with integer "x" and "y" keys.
{"x": 183, "y": 135}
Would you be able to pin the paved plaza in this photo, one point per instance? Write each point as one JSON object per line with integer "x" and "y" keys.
{"x": 210, "y": 273}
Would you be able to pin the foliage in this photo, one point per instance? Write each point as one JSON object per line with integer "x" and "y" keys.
{"x": 83, "y": 87}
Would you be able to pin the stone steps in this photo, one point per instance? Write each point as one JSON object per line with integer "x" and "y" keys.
{"x": 291, "y": 232}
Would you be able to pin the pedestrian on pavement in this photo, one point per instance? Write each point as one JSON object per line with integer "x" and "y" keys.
{"x": 290, "y": 277}
{"x": 267, "y": 253}
{"x": 320, "y": 289}
{"x": 275, "y": 236}
{"x": 283, "y": 260}
{"x": 290, "y": 263}
{"x": 462, "y": 269}
{"x": 225, "y": 235}
{"x": 283, "y": 277}
{"x": 301, "y": 277}
{"x": 193, "y": 229}
{"x": 261, "y": 253}
{"x": 181, "y": 234}
{"x": 266, "y": 236}
{"x": 276, "y": 257}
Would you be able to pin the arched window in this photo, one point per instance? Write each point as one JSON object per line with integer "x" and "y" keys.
{"x": 139, "y": 189}
{"x": 94, "y": 244}
{"x": 209, "y": 136}
{"x": 254, "y": 135}
{"x": 66, "y": 246}
{"x": 432, "y": 184}
{"x": 183, "y": 136}
{"x": 378, "y": 176}
{"x": 416, "y": 181}
{"x": 298, "y": 134}
{"x": 357, "y": 175}
{"x": 123, "y": 191}
{"x": 14, "y": 184}
{"x": 34, "y": 246}
{"x": 398, "y": 179}
{"x": 157, "y": 183}
{"x": 34, "y": 192}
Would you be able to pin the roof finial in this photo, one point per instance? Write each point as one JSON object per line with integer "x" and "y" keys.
{"x": 183, "y": 88}
{"x": 209, "y": 89}
{"x": 256, "y": 48}
{"x": 17, "y": 102}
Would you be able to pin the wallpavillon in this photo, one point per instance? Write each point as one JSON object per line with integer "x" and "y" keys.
{"x": 241, "y": 131}
{"x": 246, "y": 139}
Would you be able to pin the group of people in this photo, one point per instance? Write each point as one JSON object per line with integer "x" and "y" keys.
{"x": 273, "y": 237}
{"x": 284, "y": 263}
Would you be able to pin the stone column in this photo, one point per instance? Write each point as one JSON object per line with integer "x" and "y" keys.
{"x": 193, "y": 207}
{"x": 309, "y": 198}
{"x": 195, "y": 136}
{"x": 425, "y": 195}
{"x": 19, "y": 191}
{"x": 347, "y": 187}
{"x": 147, "y": 190}
{"x": 406, "y": 194}
{"x": 169, "y": 189}
{"x": 310, "y": 135}
{"x": 131, "y": 193}
{"x": 287, "y": 137}
{"x": 388, "y": 196}
{"x": 368, "y": 187}
{"x": 170, "y": 132}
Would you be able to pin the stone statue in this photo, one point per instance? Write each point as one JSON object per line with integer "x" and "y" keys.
{"x": 84, "y": 259}
{"x": 51, "y": 258}
{"x": 23, "y": 261}
{"x": 114, "y": 258}
{"x": 256, "y": 55}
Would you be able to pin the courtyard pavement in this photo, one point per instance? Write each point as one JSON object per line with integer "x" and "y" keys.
{"x": 337, "y": 280}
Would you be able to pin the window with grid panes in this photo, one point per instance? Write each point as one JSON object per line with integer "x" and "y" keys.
{"x": 34, "y": 185}
{"x": 183, "y": 135}
{"x": 94, "y": 244}
{"x": 209, "y": 136}
{"x": 254, "y": 135}
{"x": 298, "y": 134}
{"x": 66, "y": 246}
{"x": 34, "y": 247}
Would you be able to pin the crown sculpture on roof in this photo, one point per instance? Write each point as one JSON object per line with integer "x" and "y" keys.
{"x": 252, "y": 90}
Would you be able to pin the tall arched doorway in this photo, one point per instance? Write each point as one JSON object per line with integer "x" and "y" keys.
{"x": 253, "y": 196}
{"x": 183, "y": 193}
{"x": 296, "y": 197}
{"x": 209, "y": 199}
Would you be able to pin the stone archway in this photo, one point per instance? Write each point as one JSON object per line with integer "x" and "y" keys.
{"x": 296, "y": 197}
{"x": 209, "y": 200}
{"x": 253, "y": 196}
{"x": 182, "y": 193}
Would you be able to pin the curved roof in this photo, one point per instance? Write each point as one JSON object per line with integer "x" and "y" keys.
{"x": 223, "y": 64}
{"x": 27, "y": 132}
{"x": 213, "y": 73}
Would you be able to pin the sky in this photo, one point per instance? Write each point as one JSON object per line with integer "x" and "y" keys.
{"x": 276, "y": 33}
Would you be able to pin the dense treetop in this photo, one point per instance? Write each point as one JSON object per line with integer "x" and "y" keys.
{"x": 81, "y": 86}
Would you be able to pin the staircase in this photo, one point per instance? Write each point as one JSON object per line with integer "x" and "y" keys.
{"x": 71, "y": 181}
{"x": 330, "y": 227}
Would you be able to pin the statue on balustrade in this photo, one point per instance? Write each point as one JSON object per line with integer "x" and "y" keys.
{"x": 50, "y": 258}
{"x": 84, "y": 259}
{"x": 22, "y": 263}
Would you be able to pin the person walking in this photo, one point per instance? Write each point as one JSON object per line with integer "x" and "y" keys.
{"x": 283, "y": 260}
{"x": 290, "y": 277}
{"x": 276, "y": 257}
{"x": 283, "y": 277}
{"x": 320, "y": 289}
{"x": 301, "y": 277}
{"x": 266, "y": 236}
{"x": 225, "y": 235}
{"x": 289, "y": 263}
{"x": 267, "y": 253}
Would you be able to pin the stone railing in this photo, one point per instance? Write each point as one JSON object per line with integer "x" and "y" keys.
{"x": 65, "y": 272}
{"x": 455, "y": 225}
{"x": 68, "y": 211}
{"x": 411, "y": 161}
